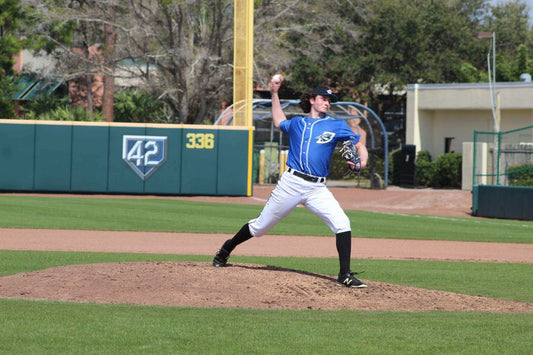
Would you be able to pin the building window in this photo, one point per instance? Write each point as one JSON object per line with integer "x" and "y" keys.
{"x": 449, "y": 145}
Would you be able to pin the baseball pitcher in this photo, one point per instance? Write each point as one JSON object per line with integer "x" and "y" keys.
{"x": 312, "y": 141}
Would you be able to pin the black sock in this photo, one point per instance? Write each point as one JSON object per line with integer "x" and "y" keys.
{"x": 344, "y": 248}
{"x": 241, "y": 236}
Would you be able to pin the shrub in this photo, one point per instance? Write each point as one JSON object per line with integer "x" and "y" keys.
{"x": 44, "y": 104}
{"x": 423, "y": 156}
{"x": 424, "y": 169}
{"x": 520, "y": 175}
{"x": 448, "y": 170}
{"x": 68, "y": 113}
{"x": 424, "y": 173}
{"x": 137, "y": 106}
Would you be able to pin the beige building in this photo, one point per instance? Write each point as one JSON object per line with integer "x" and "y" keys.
{"x": 441, "y": 118}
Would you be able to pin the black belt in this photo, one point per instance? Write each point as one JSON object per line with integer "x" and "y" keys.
{"x": 306, "y": 177}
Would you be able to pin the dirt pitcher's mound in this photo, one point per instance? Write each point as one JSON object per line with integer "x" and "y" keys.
{"x": 197, "y": 284}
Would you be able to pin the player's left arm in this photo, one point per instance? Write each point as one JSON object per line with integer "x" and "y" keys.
{"x": 356, "y": 155}
{"x": 353, "y": 150}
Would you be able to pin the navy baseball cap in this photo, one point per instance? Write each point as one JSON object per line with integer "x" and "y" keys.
{"x": 325, "y": 91}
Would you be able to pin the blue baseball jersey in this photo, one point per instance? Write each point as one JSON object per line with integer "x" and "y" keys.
{"x": 312, "y": 142}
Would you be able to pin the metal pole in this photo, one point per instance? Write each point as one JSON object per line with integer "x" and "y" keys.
{"x": 243, "y": 62}
{"x": 492, "y": 36}
{"x": 497, "y": 146}
{"x": 496, "y": 125}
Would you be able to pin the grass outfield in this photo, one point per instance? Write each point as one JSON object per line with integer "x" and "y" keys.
{"x": 165, "y": 215}
{"x": 42, "y": 327}
{"x": 54, "y": 328}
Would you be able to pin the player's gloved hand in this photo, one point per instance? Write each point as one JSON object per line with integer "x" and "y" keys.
{"x": 349, "y": 154}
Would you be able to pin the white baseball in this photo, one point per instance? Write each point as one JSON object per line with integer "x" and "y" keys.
{"x": 276, "y": 78}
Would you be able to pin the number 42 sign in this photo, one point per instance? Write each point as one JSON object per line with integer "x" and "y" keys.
{"x": 144, "y": 154}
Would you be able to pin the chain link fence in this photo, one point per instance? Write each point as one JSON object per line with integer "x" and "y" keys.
{"x": 503, "y": 158}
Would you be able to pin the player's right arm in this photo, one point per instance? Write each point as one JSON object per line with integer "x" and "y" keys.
{"x": 277, "y": 112}
{"x": 362, "y": 152}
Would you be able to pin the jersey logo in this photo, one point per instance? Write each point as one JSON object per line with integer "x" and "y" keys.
{"x": 144, "y": 154}
{"x": 325, "y": 137}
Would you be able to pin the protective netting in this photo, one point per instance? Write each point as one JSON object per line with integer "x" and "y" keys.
{"x": 503, "y": 158}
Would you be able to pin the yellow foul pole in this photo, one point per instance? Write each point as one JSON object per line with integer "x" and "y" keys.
{"x": 243, "y": 57}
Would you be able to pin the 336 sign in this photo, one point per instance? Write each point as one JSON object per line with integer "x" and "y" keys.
{"x": 200, "y": 141}
{"x": 144, "y": 154}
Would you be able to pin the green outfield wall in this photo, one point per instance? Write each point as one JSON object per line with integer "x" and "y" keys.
{"x": 496, "y": 201}
{"x": 87, "y": 157}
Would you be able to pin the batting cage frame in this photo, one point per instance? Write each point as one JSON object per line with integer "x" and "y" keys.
{"x": 503, "y": 158}
{"x": 274, "y": 147}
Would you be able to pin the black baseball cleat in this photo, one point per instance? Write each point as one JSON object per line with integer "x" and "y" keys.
{"x": 221, "y": 258}
{"x": 349, "y": 280}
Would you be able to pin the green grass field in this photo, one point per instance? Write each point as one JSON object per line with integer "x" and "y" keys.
{"x": 166, "y": 215}
{"x": 62, "y": 328}
{"x": 43, "y": 327}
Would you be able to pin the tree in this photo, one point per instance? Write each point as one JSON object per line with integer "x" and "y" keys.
{"x": 469, "y": 74}
{"x": 10, "y": 45}
{"x": 510, "y": 21}
{"x": 80, "y": 35}
{"x": 182, "y": 52}
{"x": 416, "y": 42}
{"x": 110, "y": 38}
{"x": 191, "y": 46}
{"x": 308, "y": 40}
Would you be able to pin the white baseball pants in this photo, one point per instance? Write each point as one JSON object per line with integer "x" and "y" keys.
{"x": 290, "y": 192}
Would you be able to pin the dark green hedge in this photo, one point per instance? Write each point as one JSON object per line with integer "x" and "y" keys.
{"x": 448, "y": 170}
{"x": 520, "y": 175}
